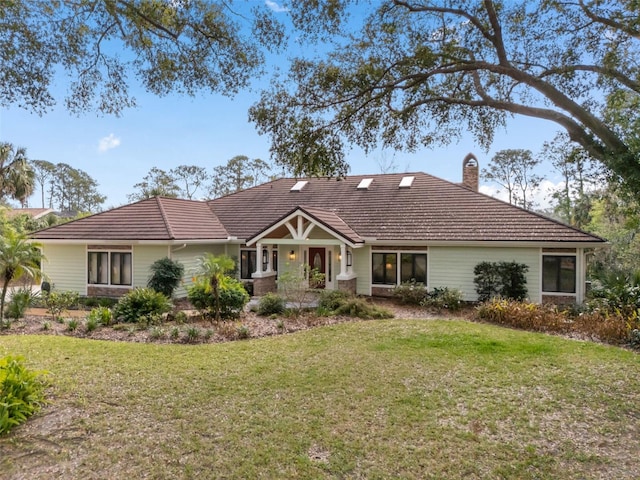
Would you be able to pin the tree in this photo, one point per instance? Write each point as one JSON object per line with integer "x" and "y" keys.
{"x": 17, "y": 257}
{"x": 418, "y": 73}
{"x": 166, "y": 275}
{"x": 513, "y": 170}
{"x": 171, "y": 46}
{"x": 44, "y": 172}
{"x": 191, "y": 177}
{"x": 156, "y": 183}
{"x": 16, "y": 174}
{"x": 74, "y": 190}
{"x": 213, "y": 268}
{"x": 239, "y": 173}
{"x": 581, "y": 180}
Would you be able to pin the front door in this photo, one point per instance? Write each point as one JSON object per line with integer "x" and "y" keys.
{"x": 317, "y": 261}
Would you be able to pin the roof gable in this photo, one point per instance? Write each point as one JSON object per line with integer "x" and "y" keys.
{"x": 156, "y": 218}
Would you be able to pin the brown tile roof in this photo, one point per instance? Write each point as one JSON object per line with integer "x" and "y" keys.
{"x": 432, "y": 209}
{"x": 32, "y": 212}
{"x": 155, "y": 218}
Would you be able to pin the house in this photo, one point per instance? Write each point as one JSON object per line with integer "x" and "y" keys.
{"x": 366, "y": 233}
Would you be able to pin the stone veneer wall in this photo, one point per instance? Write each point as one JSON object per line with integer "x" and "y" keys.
{"x": 264, "y": 285}
{"x": 348, "y": 285}
{"x": 99, "y": 291}
{"x": 559, "y": 299}
{"x": 381, "y": 292}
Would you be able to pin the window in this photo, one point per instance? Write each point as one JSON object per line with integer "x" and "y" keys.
{"x": 109, "y": 268}
{"x": 559, "y": 274}
{"x": 384, "y": 268}
{"x": 247, "y": 263}
{"x": 413, "y": 267}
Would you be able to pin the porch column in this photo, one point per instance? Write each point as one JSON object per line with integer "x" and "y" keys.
{"x": 258, "y": 258}
{"x": 343, "y": 259}
{"x": 269, "y": 258}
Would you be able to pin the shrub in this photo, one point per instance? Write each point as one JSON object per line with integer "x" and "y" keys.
{"x": 91, "y": 324}
{"x": 166, "y": 275}
{"x": 100, "y": 316}
{"x": 232, "y": 298}
{"x": 243, "y": 332}
{"x": 615, "y": 291}
{"x": 142, "y": 305}
{"x": 72, "y": 325}
{"x": 57, "y": 303}
{"x": 271, "y": 304}
{"x": 330, "y": 300}
{"x": 360, "y": 308}
{"x": 20, "y": 301}
{"x": 500, "y": 279}
{"x": 21, "y": 392}
{"x": 444, "y": 298}
{"x": 410, "y": 293}
{"x": 193, "y": 333}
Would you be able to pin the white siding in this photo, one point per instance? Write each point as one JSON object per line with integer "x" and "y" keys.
{"x": 143, "y": 256}
{"x": 453, "y": 267}
{"x": 362, "y": 268}
{"x": 65, "y": 267}
{"x": 190, "y": 258}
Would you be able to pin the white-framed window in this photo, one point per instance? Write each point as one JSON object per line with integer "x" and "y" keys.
{"x": 109, "y": 268}
{"x": 559, "y": 273}
{"x": 394, "y": 268}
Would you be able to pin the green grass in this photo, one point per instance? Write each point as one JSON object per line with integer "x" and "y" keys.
{"x": 378, "y": 399}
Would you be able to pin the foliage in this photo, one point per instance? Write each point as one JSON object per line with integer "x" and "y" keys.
{"x": 443, "y": 298}
{"x": 611, "y": 327}
{"x": 271, "y": 304}
{"x": 615, "y": 291}
{"x": 20, "y": 301}
{"x": 513, "y": 170}
{"x": 58, "y": 302}
{"x": 331, "y": 300}
{"x": 232, "y": 297}
{"x": 141, "y": 305}
{"x": 239, "y": 173}
{"x": 182, "y": 47}
{"x": 410, "y": 293}
{"x": 166, "y": 275}
{"x": 21, "y": 392}
{"x": 157, "y": 183}
{"x": 360, "y": 308}
{"x": 18, "y": 257}
{"x": 16, "y": 174}
{"x": 72, "y": 324}
{"x": 298, "y": 283}
{"x": 500, "y": 279}
{"x": 101, "y": 316}
{"x": 243, "y": 332}
{"x": 213, "y": 270}
{"x": 412, "y": 74}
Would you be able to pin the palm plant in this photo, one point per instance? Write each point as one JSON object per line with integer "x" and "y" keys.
{"x": 213, "y": 268}
{"x": 17, "y": 178}
{"x": 18, "y": 257}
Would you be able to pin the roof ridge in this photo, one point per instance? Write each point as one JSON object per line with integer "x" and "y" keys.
{"x": 164, "y": 217}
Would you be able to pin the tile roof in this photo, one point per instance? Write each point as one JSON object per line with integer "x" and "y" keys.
{"x": 32, "y": 212}
{"x": 155, "y": 218}
{"x": 430, "y": 210}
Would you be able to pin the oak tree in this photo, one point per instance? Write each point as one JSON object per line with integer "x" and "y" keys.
{"x": 418, "y": 73}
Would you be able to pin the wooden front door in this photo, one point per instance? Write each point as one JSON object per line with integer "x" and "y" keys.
{"x": 317, "y": 261}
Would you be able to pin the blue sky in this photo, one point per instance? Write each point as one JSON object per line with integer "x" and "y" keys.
{"x": 208, "y": 130}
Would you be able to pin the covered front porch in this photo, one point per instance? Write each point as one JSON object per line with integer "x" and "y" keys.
{"x": 306, "y": 239}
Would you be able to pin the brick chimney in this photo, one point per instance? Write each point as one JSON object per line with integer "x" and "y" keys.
{"x": 470, "y": 174}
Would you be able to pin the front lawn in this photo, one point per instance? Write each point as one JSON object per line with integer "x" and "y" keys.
{"x": 378, "y": 399}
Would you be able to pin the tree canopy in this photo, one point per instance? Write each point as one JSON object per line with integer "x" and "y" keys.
{"x": 417, "y": 73}
{"x": 168, "y": 45}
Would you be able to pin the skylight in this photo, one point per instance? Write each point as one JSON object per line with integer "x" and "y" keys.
{"x": 364, "y": 183}
{"x": 406, "y": 182}
{"x": 299, "y": 185}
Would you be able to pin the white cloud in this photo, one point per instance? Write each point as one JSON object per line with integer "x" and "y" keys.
{"x": 108, "y": 143}
{"x": 275, "y": 6}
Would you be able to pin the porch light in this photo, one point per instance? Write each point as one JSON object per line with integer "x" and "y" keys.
{"x": 349, "y": 258}
{"x": 265, "y": 257}
{"x": 292, "y": 255}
